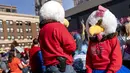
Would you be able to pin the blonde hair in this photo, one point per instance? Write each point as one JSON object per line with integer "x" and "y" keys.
{"x": 127, "y": 26}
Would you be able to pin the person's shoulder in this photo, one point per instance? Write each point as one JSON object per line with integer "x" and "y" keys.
{"x": 16, "y": 59}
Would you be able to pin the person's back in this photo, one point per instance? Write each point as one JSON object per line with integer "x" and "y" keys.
{"x": 55, "y": 43}
{"x": 14, "y": 68}
{"x": 36, "y": 61}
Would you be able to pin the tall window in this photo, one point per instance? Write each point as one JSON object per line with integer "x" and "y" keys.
{"x": 1, "y": 30}
{"x": 37, "y": 28}
{"x": 1, "y": 22}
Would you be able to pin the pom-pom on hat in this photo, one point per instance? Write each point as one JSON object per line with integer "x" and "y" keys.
{"x": 52, "y": 10}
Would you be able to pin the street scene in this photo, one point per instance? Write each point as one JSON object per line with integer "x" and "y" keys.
{"x": 65, "y": 36}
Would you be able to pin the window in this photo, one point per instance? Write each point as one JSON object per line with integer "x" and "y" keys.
{"x": 8, "y": 29}
{"x": 37, "y": 26}
{"x": 14, "y": 10}
{"x": 7, "y": 22}
{"x": 30, "y": 30}
{"x": 27, "y": 37}
{"x": 9, "y": 38}
{"x": 27, "y": 30}
{"x": 19, "y": 23}
{"x": 19, "y": 44}
{"x": 18, "y": 37}
{"x": 22, "y": 44}
{"x": 21, "y": 37}
{"x": 28, "y": 23}
{"x": 11, "y": 29}
{"x": 21, "y": 30}
{"x": 3, "y": 45}
{"x": 8, "y": 10}
{"x": 12, "y": 37}
{"x": 18, "y": 30}
{"x": 37, "y": 30}
{"x": 2, "y": 38}
{"x": 11, "y": 22}
{"x": 30, "y": 37}
{"x": 1, "y": 22}
{"x": 9, "y": 45}
{"x": 1, "y": 29}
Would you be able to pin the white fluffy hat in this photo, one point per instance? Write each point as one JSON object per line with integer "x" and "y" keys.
{"x": 109, "y": 21}
{"x": 52, "y": 10}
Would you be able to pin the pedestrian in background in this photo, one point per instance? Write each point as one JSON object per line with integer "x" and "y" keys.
{"x": 36, "y": 61}
{"x": 14, "y": 63}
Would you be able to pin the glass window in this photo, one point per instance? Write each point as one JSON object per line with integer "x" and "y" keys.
{"x": 18, "y": 37}
{"x": 8, "y": 29}
{"x": 9, "y": 45}
{"x": 2, "y": 37}
{"x": 3, "y": 45}
{"x": 7, "y": 22}
{"x": 8, "y": 10}
{"x": 1, "y": 29}
{"x": 9, "y": 37}
{"x": 27, "y": 37}
{"x": 21, "y": 37}
{"x": 37, "y": 26}
{"x": 20, "y": 22}
{"x": 12, "y": 37}
{"x": 14, "y": 10}
{"x": 30, "y": 37}
{"x": 37, "y": 30}
{"x": 1, "y": 22}
{"x": 28, "y": 23}
{"x": 19, "y": 44}
{"x": 18, "y": 30}
{"x": 17, "y": 23}
{"x": 11, "y": 22}
{"x": 22, "y": 44}
{"x": 21, "y": 30}
{"x": 29, "y": 30}
{"x": 11, "y": 29}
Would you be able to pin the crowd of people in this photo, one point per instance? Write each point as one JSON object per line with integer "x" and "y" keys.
{"x": 100, "y": 47}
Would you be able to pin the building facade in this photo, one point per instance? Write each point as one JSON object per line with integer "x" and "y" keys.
{"x": 39, "y": 3}
{"x": 20, "y": 27}
{"x": 4, "y": 8}
{"x": 78, "y": 2}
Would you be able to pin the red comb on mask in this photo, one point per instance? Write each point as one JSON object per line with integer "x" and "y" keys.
{"x": 100, "y": 11}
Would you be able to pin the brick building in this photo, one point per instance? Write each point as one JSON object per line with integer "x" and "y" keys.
{"x": 4, "y": 8}
{"x": 20, "y": 27}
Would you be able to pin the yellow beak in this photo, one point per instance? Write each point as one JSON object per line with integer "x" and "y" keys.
{"x": 66, "y": 23}
{"x": 95, "y": 29}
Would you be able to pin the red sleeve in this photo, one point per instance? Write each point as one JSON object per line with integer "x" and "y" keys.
{"x": 65, "y": 39}
{"x": 115, "y": 57}
{"x": 89, "y": 60}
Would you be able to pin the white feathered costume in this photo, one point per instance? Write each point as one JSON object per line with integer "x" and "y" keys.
{"x": 104, "y": 53}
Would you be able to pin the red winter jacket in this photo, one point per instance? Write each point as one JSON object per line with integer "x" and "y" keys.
{"x": 55, "y": 40}
{"x": 104, "y": 55}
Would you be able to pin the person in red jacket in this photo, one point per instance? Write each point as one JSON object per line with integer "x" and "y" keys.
{"x": 104, "y": 53}
{"x": 57, "y": 44}
{"x": 36, "y": 60}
